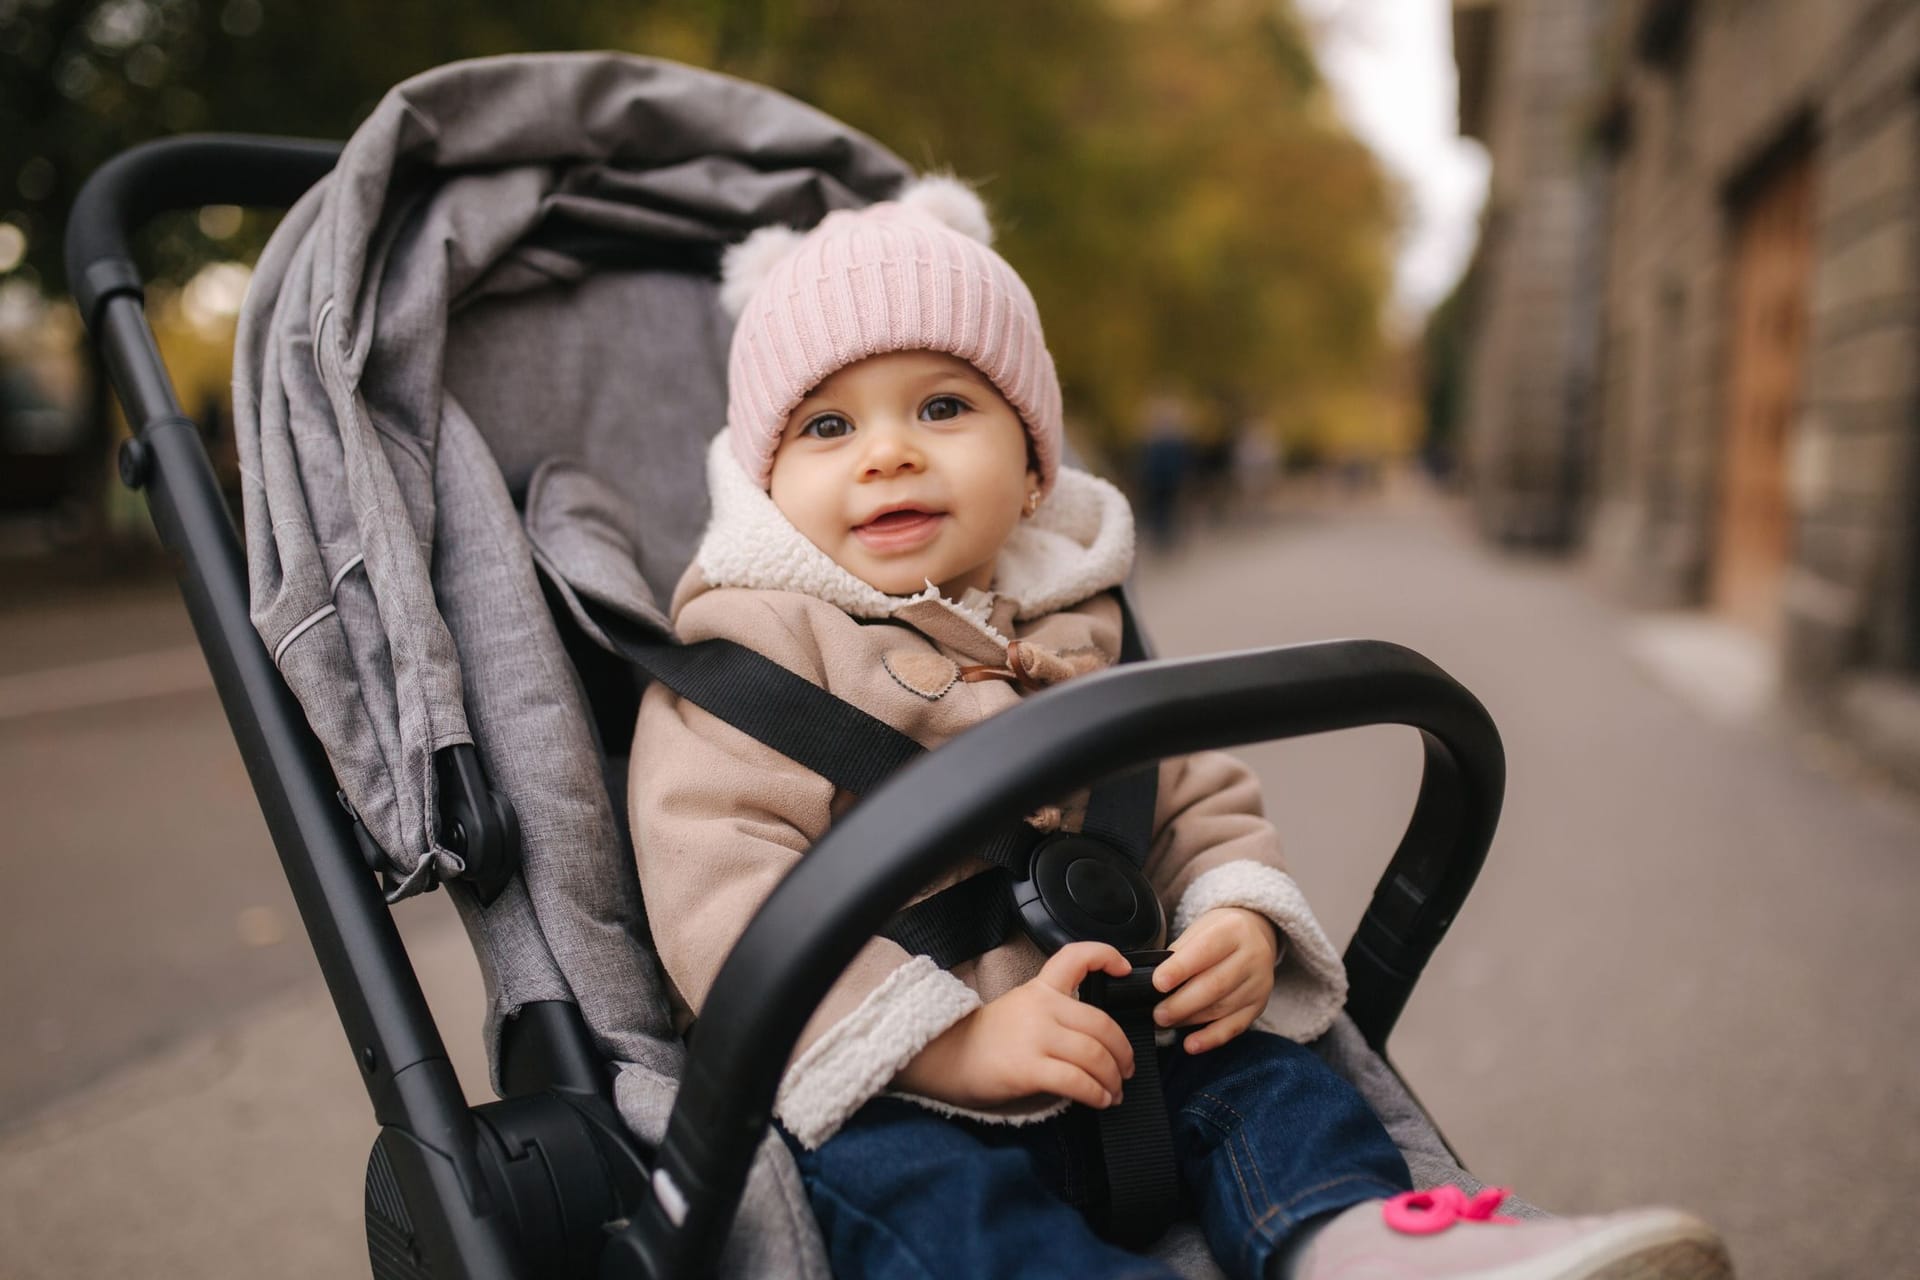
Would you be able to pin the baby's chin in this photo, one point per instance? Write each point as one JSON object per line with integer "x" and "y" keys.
{"x": 894, "y": 580}
{"x": 907, "y": 576}
{"x": 904, "y": 576}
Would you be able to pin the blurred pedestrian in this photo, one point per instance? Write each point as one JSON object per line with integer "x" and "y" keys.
{"x": 1165, "y": 461}
{"x": 1256, "y": 468}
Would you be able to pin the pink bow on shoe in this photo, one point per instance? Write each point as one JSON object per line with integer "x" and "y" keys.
{"x": 1410, "y": 1238}
{"x": 1421, "y": 1213}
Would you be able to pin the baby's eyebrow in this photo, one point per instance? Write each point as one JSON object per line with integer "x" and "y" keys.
{"x": 806, "y": 400}
{"x": 966, "y": 373}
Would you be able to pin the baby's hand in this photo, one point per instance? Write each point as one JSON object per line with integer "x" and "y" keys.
{"x": 1037, "y": 1038}
{"x": 1223, "y": 969}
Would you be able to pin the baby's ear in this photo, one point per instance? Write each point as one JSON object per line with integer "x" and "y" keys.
{"x": 947, "y": 200}
{"x": 745, "y": 265}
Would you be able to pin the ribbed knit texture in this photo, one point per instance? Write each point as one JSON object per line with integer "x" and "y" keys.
{"x": 888, "y": 277}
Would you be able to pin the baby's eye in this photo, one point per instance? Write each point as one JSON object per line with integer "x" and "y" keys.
{"x": 828, "y": 426}
{"x": 942, "y": 408}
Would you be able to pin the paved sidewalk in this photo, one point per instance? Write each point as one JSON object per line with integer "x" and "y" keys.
{"x": 142, "y": 900}
{"x": 237, "y": 1153}
{"x": 1683, "y": 978}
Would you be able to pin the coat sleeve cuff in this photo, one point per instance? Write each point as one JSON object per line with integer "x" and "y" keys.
{"x": 1310, "y": 982}
{"x": 858, "y": 1056}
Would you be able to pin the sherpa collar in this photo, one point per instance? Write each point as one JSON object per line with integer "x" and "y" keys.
{"x": 1078, "y": 544}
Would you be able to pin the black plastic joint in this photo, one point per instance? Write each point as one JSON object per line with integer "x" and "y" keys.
{"x": 138, "y": 458}
{"x": 136, "y": 463}
{"x": 476, "y": 822}
{"x": 371, "y": 853}
{"x": 104, "y": 279}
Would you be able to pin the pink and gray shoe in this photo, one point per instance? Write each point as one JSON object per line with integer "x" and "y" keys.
{"x": 1443, "y": 1232}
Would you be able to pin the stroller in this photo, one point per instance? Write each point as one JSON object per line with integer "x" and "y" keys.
{"x": 500, "y": 293}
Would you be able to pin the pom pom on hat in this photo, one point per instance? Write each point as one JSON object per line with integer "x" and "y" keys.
{"x": 745, "y": 265}
{"x": 913, "y": 273}
{"x": 949, "y": 201}
{"x": 940, "y": 196}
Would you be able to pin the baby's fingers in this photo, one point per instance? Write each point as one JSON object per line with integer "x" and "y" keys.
{"x": 1197, "y": 993}
{"x": 1251, "y": 993}
{"x": 1065, "y": 1080}
{"x": 1193, "y": 952}
{"x": 1215, "y": 1034}
{"x": 1090, "y": 1055}
{"x": 1066, "y": 967}
{"x": 1099, "y": 1024}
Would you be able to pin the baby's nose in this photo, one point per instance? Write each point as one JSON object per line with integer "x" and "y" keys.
{"x": 891, "y": 450}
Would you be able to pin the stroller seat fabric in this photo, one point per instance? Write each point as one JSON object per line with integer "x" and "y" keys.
{"x": 476, "y": 375}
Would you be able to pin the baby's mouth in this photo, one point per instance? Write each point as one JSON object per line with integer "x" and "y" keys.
{"x": 899, "y": 530}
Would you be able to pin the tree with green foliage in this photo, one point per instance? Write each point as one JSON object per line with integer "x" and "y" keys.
{"x": 1170, "y": 178}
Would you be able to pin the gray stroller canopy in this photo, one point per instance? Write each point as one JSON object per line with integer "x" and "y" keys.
{"x": 372, "y": 343}
{"x": 472, "y": 323}
{"x": 485, "y": 350}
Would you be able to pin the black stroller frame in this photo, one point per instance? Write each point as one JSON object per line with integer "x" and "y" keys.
{"x": 548, "y": 1180}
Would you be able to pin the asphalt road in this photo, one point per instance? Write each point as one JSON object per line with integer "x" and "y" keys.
{"x": 1682, "y": 978}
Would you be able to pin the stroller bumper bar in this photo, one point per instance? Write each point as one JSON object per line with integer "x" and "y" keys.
{"x": 1054, "y": 743}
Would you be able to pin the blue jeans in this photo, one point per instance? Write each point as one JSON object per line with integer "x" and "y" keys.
{"x": 1267, "y": 1137}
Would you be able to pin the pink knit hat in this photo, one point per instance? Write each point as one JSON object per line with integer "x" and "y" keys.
{"x": 912, "y": 273}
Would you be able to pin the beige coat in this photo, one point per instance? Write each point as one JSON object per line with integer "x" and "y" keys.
{"x": 719, "y": 818}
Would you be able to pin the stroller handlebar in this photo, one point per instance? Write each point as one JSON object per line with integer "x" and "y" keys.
{"x": 183, "y": 172}
{"x": 1052, "y": 744}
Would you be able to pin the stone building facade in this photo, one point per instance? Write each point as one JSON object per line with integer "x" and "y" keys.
{"x": 1528, "y": 76}
{"x": 1752, "y": 444}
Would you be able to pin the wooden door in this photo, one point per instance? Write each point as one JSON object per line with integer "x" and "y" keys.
{"x": 1772, "y": 259}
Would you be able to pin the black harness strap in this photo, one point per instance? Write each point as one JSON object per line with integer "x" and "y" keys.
{"x": 960, "y": 922}
{"x": 756, "y": 695}
{"x": 1120, "y": 811}
{"x": 857, "y": 752}
{"x": 977, "y": 915}
{"x": 843, "y": 744}
{"x": 1134, "y": 1136}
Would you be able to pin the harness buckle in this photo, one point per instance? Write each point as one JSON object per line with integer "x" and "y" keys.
{"x": 1079, "y": 888}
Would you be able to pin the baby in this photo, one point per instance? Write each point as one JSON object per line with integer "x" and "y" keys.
{"x": 891, "y": 521}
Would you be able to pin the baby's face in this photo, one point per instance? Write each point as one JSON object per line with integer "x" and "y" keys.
{"x": 906, "y": 468}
